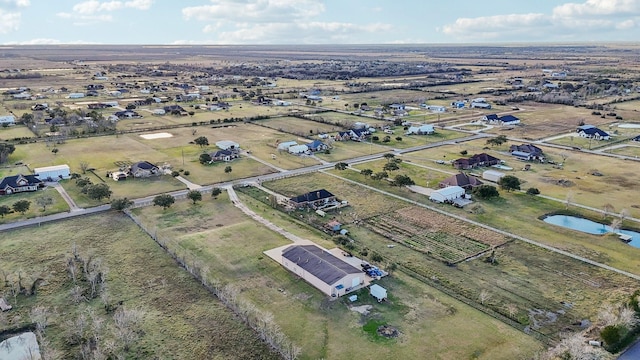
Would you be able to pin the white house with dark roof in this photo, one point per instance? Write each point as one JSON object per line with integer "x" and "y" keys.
{"x": 592, "y": 132}
{"x": 320, "y": 268}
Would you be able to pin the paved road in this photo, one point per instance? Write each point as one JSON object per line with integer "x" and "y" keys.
{"x": 633, "y": 353}
{"x": 59, "y": 216}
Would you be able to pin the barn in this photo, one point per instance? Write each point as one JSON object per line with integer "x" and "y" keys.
{"x": 322, "y": 269}
{"x": 52, "y": 173}
{"x": 447, "y": 194}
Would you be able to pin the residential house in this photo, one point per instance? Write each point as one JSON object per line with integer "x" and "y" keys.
{"x": 458, "y": 104}
{"x": 462, "y": 180}
{"x": 592, "y": 132}
{"x": 127, "y": 114}
{"x": 491, "y": 118}
{"x": 420, "y": 130}
{"x": 508, "y": 120}
{"x": 224, "y": 155}
{"x": 317, "y": 145}
{"x": 174, "y": 109}
{"x": 637, "y": 138}
{"x": 19, "y": 183}
{"x": 474, "y": 161}
{"x": 320, "y": 268}
{"x": 144, "y": 169}
{"x": 397, "y": 107}
{"x": 314, "y": 199}
{"x": 527, "y": 152}
{"x": 353, "y": 134}
{"x": 75, "y": 96}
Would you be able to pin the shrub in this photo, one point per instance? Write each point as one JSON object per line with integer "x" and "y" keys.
{"x": 612, "y": 334}
{"x": 186, "y": 172}
{"x": 533, "y": 191}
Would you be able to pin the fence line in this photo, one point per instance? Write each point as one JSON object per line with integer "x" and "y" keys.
{"x": 262, "y": 323}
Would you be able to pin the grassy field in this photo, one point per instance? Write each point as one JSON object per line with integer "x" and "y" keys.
{"x": 181, "y": 319}
{"x": 518, "y": 263}
{"x": 299, "y": 126}
{"x": 58, "y": 204}
{"x": 615, "y": 186}
{"x": 232, "y": 246}
{"x": 13, "y": 132}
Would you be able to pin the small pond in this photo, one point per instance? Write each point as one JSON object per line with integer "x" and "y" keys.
{"x": 590, "y": 227}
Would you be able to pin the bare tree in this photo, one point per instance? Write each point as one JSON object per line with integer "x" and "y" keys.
{"x": 624, "y": 213}
{"x": 615, "y": 225}
{"x": 484, "y": 296}
{"x": 607, "y": 209}
{"x": 568, "y": 201}
{"x": 512, "y": 310}
{"x": 84, "y": 166}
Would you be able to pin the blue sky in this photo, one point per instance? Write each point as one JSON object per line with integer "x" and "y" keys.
{"x": 316, "y": 21}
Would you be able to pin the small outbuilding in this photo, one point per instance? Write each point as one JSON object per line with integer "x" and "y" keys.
{"x": 228, "y": 145}
{"x": 447, "y": 194}
{"x": 53, "y": 173}
{"x": 378, "y": 292}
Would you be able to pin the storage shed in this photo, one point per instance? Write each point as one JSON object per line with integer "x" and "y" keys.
{"x": 492, "y": 175}
{"x": 378, "y": 292}
{"x": 52, "y": 173}
{"x": 447, "y": 194}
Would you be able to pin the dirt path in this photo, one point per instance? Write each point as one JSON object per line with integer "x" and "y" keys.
{"x": 236, "y": 201}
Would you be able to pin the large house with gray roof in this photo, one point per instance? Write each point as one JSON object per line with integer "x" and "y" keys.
{"x": 322, "y": 269}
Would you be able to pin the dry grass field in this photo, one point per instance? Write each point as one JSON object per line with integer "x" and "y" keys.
{"x": 13, "y": 132}
{"x": 180, "y": 318}
{"x": 299, "y": 126}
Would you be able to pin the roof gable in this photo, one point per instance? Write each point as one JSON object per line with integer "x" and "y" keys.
{"x": 312, "y": 196}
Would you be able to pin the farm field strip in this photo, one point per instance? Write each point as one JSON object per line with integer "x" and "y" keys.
{"x": 444, "y": 246}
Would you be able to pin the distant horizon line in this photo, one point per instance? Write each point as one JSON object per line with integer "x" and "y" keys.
{"x": 480, "y": 44}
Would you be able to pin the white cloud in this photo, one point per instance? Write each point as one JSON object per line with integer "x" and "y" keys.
{"x": 16, "y": 3}
{"x": 83, "y": 20}
{"x": 139, "y": 4}
{"x": 93, "y": 11}
{"x": 598, "y": 8}
{"x": 47, "y": 41}
{"x": 566, "y": 21}
{"x": 255, "y": 10}
{"x": 274, "y": 22}
{"x": 9, "y": 21}
{"x": 490, "y": 27}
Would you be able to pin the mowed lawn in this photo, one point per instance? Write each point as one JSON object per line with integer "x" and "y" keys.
{"x": 57, "y": 204}
{"x": 181, "y": 319}
{"x": 217, "y": 233}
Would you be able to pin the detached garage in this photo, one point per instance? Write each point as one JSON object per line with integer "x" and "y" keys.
{"x": 447, "y": 194}
{"x": 52, "y": 173}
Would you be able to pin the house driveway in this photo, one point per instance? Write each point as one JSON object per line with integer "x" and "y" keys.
{"x": 65, "y": 196}
{"x": 190, "y": 185}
